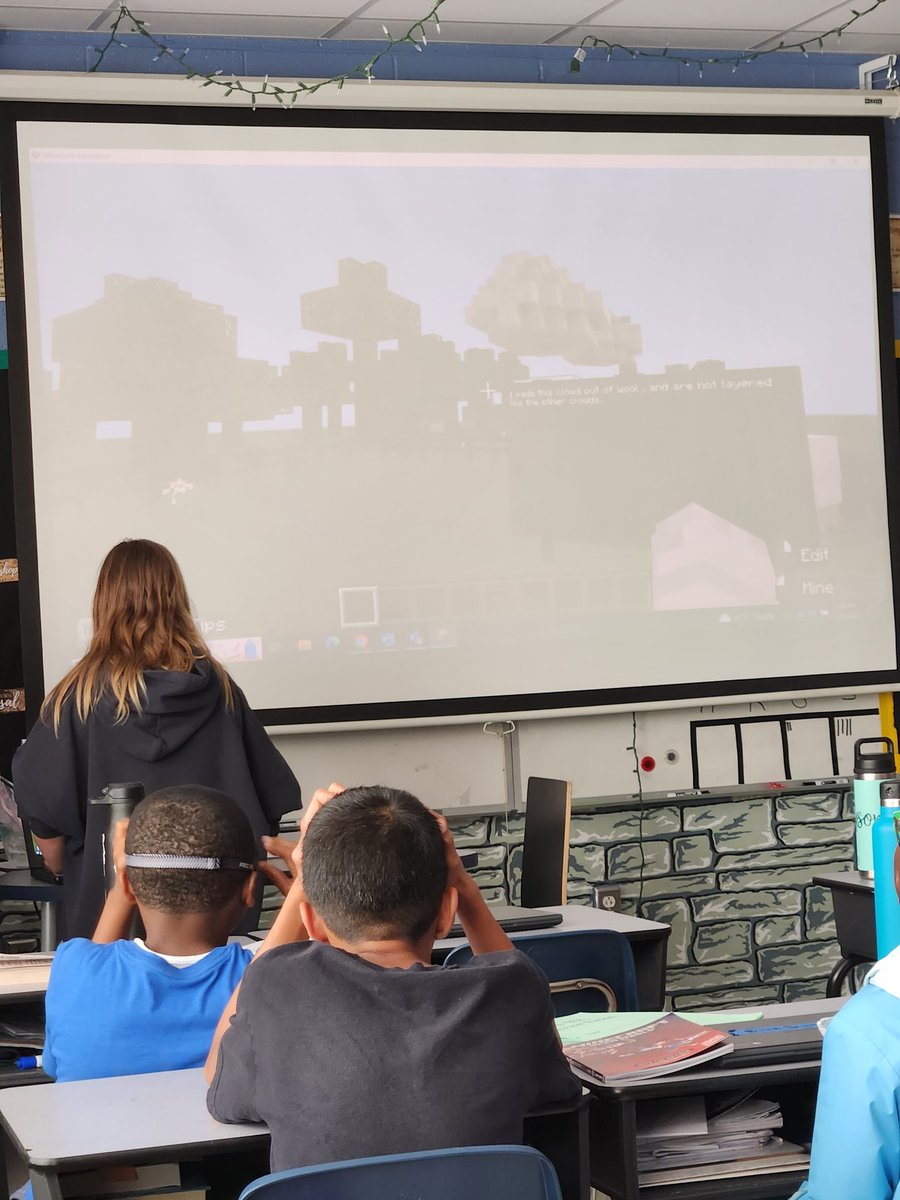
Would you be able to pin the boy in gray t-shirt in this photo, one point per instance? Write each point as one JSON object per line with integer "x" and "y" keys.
{"x": 344, "y": 1039}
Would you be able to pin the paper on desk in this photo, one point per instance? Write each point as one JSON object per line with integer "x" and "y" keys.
{"x": 664, "y": 1125}
{"x": 660, "y": 1119}
{"x": 749, "y": 1116}
{"x": 585, "y": 1027}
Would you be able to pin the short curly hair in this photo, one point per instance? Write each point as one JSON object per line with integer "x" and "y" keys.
{"x": 189, "y": 820}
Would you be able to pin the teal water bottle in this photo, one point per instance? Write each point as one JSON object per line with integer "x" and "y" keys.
{"x": 870, "y": 769}
{"x": 884, "y": 849}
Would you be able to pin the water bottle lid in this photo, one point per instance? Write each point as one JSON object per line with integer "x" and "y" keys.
{"x": 873, "y": 762}
{"x": 119, "y": 791}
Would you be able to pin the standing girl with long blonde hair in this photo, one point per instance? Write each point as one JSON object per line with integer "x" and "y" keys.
{"x": 146, "y": 703}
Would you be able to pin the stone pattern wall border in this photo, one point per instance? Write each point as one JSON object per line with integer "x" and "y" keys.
{"x": 733, "y": 877}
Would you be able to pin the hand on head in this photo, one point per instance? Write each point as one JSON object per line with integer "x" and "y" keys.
{"x": 118, "y": 850}
{"x": 321, "y": 796}
{"x": 456, "y": 872}
{"x": 282, "y": 848}
{"x": 291, "y": 851}
{"x": 119, "y": 844}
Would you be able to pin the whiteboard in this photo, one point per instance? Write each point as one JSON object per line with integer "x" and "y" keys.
{"x": 452, "y": 767}
{"x": 464, "y": 767}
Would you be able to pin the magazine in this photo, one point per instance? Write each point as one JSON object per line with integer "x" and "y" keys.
{"x": 661, "y": 1048}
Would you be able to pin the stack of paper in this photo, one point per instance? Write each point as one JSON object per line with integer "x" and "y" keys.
{"x": 674, "y": 1139}
{"x": 22, "y": 1026}
{"x": 24, "y": 971}
{"x": 586, "y": 1026}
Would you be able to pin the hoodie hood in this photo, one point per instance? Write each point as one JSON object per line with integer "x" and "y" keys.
{"x": 178, "y": 703}
{"x": 886, "y": 973}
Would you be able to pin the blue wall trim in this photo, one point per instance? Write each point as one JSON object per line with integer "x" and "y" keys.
{"x": 20, "y": 51}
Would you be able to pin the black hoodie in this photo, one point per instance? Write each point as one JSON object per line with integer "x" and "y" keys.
{"x": 183, "y": 734}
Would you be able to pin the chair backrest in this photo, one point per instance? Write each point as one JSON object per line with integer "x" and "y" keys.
{"x": 473, "y": 1172}
{"x": 575, "y": 962}
{"x": 545, "y": 850}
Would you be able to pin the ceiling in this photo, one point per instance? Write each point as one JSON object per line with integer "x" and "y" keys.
{"x": 694, "y": 24}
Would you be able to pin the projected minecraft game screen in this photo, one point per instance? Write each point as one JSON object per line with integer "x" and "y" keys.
{"x": 454, "y": 413}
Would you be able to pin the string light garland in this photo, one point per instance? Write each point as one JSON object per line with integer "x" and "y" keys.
{"x": 127, "y": 22}
{"x": 816, "y": 41}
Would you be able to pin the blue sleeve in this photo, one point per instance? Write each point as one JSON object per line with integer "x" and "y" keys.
{"x": 64, "y": 960}
{"x": 48, "y": 1059}
{"x": 856, "y": 1141}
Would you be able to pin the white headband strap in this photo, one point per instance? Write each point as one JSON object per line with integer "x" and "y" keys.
{"x": 185, "y": 862}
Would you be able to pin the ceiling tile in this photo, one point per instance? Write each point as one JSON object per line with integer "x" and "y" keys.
{"x": 334, "y": 9}
{"x": 458, "y": 31}
{"x": 498, "y": 12}
{"x": 40, "y": 5}
{"x": 41, "y": 17}
{"x": 698, "y": 24}
{"x": 884, "y": 19}
{"x": 713, "y": 15}
{"x": 237, "y": 25}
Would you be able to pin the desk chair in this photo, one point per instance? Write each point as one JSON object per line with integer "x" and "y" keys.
{"x": 589, "y": 970}
{"x": 545, "y": 850}
{"x": 476, "y": 1172}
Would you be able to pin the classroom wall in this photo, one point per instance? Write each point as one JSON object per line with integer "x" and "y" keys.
{"x": 732, "y": 877}
{"x": 43, "y": 51}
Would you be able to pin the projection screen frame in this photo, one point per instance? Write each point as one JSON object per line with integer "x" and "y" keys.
{"x": 461, "y": 709}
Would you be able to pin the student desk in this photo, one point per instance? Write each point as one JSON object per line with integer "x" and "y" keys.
{"x": 613, "y": 1123}
{"x": 141, "y": 1119}
{"x": 22, "y": 999}
{"x": 17, "y": 993}
{"x": 131, "y": 1119}
{"x": 648, "y": 941}
{"x": 21, "y": 885}
{"x": 853, "y": 897}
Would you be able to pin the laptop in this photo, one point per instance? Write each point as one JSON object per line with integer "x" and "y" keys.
{"x": 513, "y": 919}
{"x": 510, "y": 917}
{"x": 775, "y": 1040}
{"x": 36, "y": 864}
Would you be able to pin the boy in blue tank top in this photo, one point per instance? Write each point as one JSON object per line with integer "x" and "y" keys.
{"x": 187, "y": 863}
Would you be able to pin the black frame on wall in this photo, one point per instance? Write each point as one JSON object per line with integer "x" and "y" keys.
{"x": 12, "y": 724}
{"x": 29, "y": 590}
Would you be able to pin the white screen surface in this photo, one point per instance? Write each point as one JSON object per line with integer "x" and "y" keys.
{"x": 428, "y": 414}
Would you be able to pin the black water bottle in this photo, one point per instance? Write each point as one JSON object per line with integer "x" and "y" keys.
{"x": 121, "y": 799}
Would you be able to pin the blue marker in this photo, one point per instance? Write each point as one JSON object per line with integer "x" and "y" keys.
{"x": 771, "y": 1028}
{"x": 28, "y": 1062}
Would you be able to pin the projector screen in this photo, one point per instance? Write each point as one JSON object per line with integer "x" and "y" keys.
{"x": 445, "y": 419}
